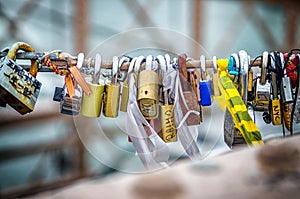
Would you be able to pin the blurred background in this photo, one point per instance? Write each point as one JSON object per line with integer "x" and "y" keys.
{"x": 41, "y": 150}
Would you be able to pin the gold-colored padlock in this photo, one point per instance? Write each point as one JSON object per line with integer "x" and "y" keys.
{"x": 125, "y": 96}
{"x": 19, "y": 88}
{"x": 169, "y": 132}
{"x": 112, "y": 93}
{"x": 275, "y": 103}
{"x": 91, "y": 104}
{"x": 125, "y": 87}
{"x": 147, "y": 95}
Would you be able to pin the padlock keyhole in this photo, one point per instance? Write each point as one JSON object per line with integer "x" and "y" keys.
{"x": 146, "y": 92}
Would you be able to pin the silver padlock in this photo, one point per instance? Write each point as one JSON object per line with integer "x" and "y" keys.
{"x": 263, "y": 95}
{"x": 19, "y": 88}
{"x": 286, "y": 90}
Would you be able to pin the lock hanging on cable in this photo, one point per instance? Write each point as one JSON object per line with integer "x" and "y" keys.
{"x": 19, "y": 88}
{"x": 148, "y": 88}
{"x": 91, "y": 104}
{"x": 112, "y": 93}
{"x": 167, "y": 118}
{"x": 68, "y": 105}
{"x": 190, "y": 101}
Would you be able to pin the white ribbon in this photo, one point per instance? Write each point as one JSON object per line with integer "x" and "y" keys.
{"x": 187, "y": 134}
{"x": 151, "y": 149}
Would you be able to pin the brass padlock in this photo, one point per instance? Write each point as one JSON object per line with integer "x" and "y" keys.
{"x": 189, "y": 95}
{"x": 275, "y": 103}
{"x": 148, "y": 87}
{"x": 91, "y": 104}
{"x": 125, "y": 87}
{"x": 19, "y": 88}
{"x": 112, "y": 93}
{"x": 168, "y": 125}
{"x": 264, "y": 64}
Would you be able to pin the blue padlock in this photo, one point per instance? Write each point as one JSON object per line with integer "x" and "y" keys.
{"x": 205, "y": 93}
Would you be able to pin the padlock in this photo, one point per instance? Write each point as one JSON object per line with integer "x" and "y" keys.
{"x": 275, "y": 103}
{"x": 262, "y": 96}
{"x": 91, "y": 104}
{"x": 68, "y": 105}
{"x": 148, "y": 90}
{"x": 125, "y": 87}
{"x": 286, "y": 90}
{"x": 287, "y": 115}
{"x": 264, "y": 64}
{"x": 204, "y": 85}
{"x": 168, "y": 125}
{"x": 112, "y": 93}
{"x": 250, "y": 86}
{"x": 58, "y": 94}
{"x": 19, "y": 88}
{"x": 190, "y": 97}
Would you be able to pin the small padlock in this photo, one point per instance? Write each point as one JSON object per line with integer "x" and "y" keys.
{"x": 68, "y": 105}
{"x": 125, "y": 96}
{"x": 275, "y": 103}
{"x": 286, "y": 90}
{"x": 205, "y": 93}
{"x": 262, "y": 96}
{"x": 19, "y": 88}
{"x": 148, "y": 90}
{"x": 58, "y": 94}
{"x": 91, "y": 104}
{"x": 125, "y": 87}
{"x": 168, "y": 125}
{"x": 112, "y": 93}
{"x": 287, "y": 115}
{"x": 264, "y": 64}
{"x": 189, "y": 95}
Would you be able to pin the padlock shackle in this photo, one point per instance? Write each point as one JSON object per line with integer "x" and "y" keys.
{"x": 26, "y": 47}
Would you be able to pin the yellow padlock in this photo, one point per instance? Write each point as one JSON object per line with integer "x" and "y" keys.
{"x": 112, "y": 93}
{"x": 147, "y": 95}
{"x": 275, "y": 103}
{"x": 91, "y": 104}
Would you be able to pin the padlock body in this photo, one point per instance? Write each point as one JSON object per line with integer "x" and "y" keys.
{"x": 111, "y": 100}
{"x": 58, "y": 94}
{"x": 169, "y": 133}
{"x": 124, "y": 97}
{"x": 262, "y": 97}
{"x": 205, "y": 93}
{"x": 287, "y": 115}
{"x": 91, "y": 104}
{"x": 192, "y": 104}
{"x": 276, "y": 112}
{"x": 148, "y": 94}
{"x": 286, "y": 90}
{"x": 17, "y": 87}
{"x": 70, "y": 106}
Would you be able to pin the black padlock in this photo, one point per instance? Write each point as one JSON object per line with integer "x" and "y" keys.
{"x": 58, "y": 94}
